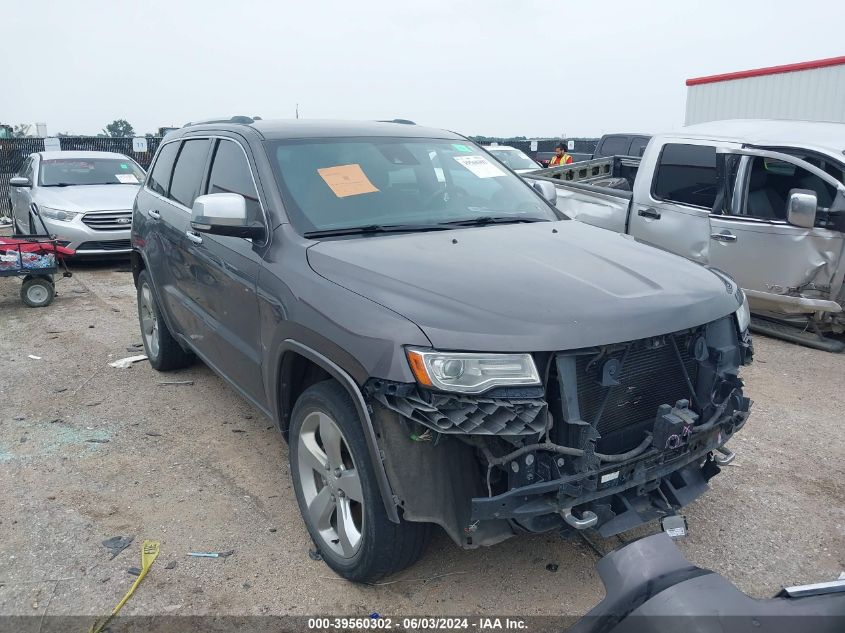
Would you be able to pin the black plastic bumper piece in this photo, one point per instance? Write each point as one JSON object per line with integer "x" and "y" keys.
{"x": 681, "y": 479}
{"x": 650, "y": 586}
{"x": 521, "y": 413}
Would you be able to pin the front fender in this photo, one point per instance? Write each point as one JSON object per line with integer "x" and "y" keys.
{"x": 361, "y": 407}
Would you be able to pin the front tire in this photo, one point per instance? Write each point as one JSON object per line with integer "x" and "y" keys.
{"x": 336, "y": 489}
{"x": 162, "y": 349}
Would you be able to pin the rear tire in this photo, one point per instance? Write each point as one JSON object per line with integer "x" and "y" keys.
{"x": 337, "y": 492}
{"x": 37, "y": 292}
{"x": 162, "y": 349}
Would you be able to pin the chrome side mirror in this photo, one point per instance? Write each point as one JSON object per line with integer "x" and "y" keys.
{"x": 801, "y": 208}
{"x": 19, "y": 181}
{"x": 547, "y": 190}
{"x": 223, "y": 214}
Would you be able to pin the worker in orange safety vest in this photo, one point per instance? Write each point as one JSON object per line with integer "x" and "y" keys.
{"x": 560, "y": 157}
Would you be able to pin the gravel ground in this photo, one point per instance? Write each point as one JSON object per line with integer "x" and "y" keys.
{"x": 88, "y": 452}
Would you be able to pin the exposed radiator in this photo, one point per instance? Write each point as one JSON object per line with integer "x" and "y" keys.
{"x": 649, "y": 377}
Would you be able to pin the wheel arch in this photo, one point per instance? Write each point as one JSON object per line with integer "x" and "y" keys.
{"x": 300, "y": 367}
{"x": 138, "y": 263}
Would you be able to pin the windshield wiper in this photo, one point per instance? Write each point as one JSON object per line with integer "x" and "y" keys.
{"x": 375, "y": 228}
{"x": 493, "y": 219}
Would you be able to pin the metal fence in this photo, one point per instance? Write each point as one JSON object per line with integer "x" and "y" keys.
{"x": 14, "y": 151}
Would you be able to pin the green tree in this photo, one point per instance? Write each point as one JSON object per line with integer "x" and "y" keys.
{"x": 119, "y": 128}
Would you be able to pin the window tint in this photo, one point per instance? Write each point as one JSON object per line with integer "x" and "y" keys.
{"x": 638, "y": 146}
{"x": 230, "y": 174}
{"x": 612, "y": 146}
{"x": 187, "y": 175}
{"x": 687, "y": 174}
{"x": 159, "y": 178}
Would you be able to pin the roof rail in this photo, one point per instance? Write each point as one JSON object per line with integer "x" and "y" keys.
{"x": 402, "y": 121}
{"x": 244, "y": 120}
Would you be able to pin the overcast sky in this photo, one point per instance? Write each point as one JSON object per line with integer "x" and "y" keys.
{"x": 497, "y": 67}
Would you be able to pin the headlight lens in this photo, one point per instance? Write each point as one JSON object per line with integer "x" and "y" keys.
{"x": 470, "y": 372}
{"x": 743, "y": 315}
{"x": 57, "y": 214}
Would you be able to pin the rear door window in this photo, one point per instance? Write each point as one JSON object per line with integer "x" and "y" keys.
{"x": 230, "y": 173}
{"x": 613, "y": 146}
{"x": 638, "y": 146}
{"x": 189, "y": 170}
{"x": 686, "y": 174}
{"x": 159, "y": 178}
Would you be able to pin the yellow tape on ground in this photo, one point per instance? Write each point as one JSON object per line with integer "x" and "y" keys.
{"x": 149, "y": 552}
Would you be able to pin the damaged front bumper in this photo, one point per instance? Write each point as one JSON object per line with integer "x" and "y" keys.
{"x": 599, "y": 445}
{"x": 619, "y": 496}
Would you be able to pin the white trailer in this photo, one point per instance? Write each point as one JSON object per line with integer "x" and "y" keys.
{"x": 807, "y": 91}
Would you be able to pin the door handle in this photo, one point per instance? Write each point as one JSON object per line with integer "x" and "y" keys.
{"x": 195, "y": 237}
{"x": 155, "y": 215}
{"x": 654, "y": 214}
{"x": 723, "y": 237}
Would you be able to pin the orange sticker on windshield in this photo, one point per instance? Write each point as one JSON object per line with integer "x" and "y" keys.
{"x": 347, "y": 180}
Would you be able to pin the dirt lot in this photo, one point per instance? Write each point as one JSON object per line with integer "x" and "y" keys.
{"x": 88, "y": 451}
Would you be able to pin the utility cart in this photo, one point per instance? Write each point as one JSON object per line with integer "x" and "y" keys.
{"x": 35, "y": 258}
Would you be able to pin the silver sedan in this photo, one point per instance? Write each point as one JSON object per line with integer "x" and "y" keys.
{"x": 83, "y": 198}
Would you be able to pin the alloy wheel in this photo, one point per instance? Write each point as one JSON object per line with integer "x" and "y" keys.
{"x": 149, "y": 322}
{"x": 331, "y": 484}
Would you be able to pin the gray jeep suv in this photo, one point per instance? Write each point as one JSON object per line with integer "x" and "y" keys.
{"x": 437, "y": 342}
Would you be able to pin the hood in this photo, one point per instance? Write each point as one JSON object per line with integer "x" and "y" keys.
{"x": 526, "y": 287}
{"x": 88, "y": 197}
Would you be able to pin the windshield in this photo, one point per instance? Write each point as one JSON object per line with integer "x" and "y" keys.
{"x": 513, "y": 158}
{"x": 89, "y": 171}
{"x": 337, "y": 183}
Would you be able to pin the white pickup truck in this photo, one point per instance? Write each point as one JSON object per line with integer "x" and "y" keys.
{"x": 762, "y": 200}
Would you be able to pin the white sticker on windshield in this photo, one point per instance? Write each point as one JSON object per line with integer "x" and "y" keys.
{"x": 127, "y": 179}
{"x": 480, "y": 166}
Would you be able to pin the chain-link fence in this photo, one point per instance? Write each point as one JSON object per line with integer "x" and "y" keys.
{"x": 14, "y": 151}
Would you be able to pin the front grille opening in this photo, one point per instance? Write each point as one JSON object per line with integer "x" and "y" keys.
{"x": 650, "y": 376}
{"x": 108, "y": 220}
{"x": 109, "y": 245}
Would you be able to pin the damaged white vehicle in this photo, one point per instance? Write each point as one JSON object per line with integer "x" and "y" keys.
{"x": 762, "y": 200}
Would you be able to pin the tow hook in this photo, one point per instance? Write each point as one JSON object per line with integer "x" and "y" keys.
{"x": 588, "y": 519}
{"x": 726, "y": 457}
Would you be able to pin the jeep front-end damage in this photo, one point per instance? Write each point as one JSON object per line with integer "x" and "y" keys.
{"x": 615, "y": 436}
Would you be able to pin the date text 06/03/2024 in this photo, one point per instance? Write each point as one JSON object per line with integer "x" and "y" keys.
{"x": 376, "y": 622}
